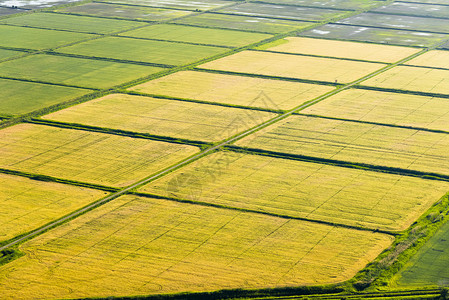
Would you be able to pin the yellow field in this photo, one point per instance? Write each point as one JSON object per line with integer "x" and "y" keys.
{"x": 364, "y": 51}
{"x": 85, "y": 156}
{"x": 28, "y": 204}
{"x": 301, "y": 189}
{"x": 384, "y": 107}
{"x": 236, "y": 90}
{"x": 148, "y": 246}
{"x": 354, "y": 142}
{"x": 294, "y": 66}
{"x": 435, "y": 58}
{"x": 163, "y": 117}
{"x": 413, "y": 79}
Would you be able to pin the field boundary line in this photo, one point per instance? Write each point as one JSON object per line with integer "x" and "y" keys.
{"x": 50, "y": 83}
{"x": 391, "y": 27}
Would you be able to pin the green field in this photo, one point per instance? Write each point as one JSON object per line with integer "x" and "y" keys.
{"x": 19, "y": 97}
{"x": 160, "y": 52}
{"x": 28, "y": 204}
{"x": 384, "y": 107}
{"x": 190, "y": 34}
{"x": 416, "y": 9}
{"x": 355, "y": 142}
{"x": 302, "y": 189}
{"x": 124, "y": 11}
{"x": 85, "y": 156}
{"x": 5, "y": 54}
{"x": 82, "y": 72}
{"x": 163, "y": 117}
{"x": 249, "y": 23}
{"x": 147, "y": 246}
{"x": 294, "y": 66}
{"x": 71, "y": 23}
{"x": 235, "y": 90}
{"x": 178, "y": 4}
{"x": 33, "y": 38}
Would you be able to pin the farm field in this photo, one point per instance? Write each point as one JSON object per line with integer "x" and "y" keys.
{"x": 282, "y": 12}
{"x": 342, "y": 49}
{"x": 302, "y": 189}
{"x": 6, "y": 54}
{"x": 235, "y": 248}
{"x": 35, "y": 4}
{"x": 355, "y": 142}
{"x": 28, "y": 204}
{"x": 340, "y": 4}
{"x": 294, "y": 66}
{"x": 87, "y": 73}
{"x": 178, "y": 4}
{"x": 256, "y": 24}
{"x": 4, "y": 11}
{"x": 376, "y": 35}
{"x": 415, "y": 9}
{"x": 71, "y": 23}
{"x": 37, "y": 39}
{"x": 23, "y": 97}
{"x": 388, "y": 108}
{"x": 417, "y": 79}
{"x": 190, "y": 34}
{"x": 177, "y": 119}
{"x": 232, "y": 89}
{"x": 99, "y": 9}
{"x": 433, "y": 59}
{"x": 85, "y": 156}
{"x": 159, "y": 52}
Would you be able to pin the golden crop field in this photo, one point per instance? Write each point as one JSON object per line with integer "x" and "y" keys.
{"x": 294, "y": 66}
{"x": 232, "y": 89}
{"x": 85, "y": 156}
{"x": 173, "y": 118}
{"x": 412, "y": 79}
{"x": 28, "y": 204}
{"x": 145, "y": 246}
{"x": 384, "y": 107}
{"x": 355, "y": 142}
{"x": 435, "y": 58}
{"x": 302, "y": 189}
{"x": 343, "y": 49}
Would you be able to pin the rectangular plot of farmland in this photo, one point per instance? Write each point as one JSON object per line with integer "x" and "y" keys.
{"x": 159, "y": 52}
{"x": 355, "y": 142}
{"x": 282, "y": 11}
{"x": 415, "y": 9}
{"x": 5, "y": 54}
{"x": 352, "y": 50}
{"x": 302, "y": 189}
{"x": 71, "y": 23}
{"x": 434, "y": 59}
{"x": 376, "y": 35}
{"x": 28, "y": 204}
{"x": 85, "y": 156}
{"x": 149, "y": 246}
{"x": 163, "y": 117}
{"x": 33, "y": 38}
{"x": 220, "y": 37}
{"x": 231, "y": 89}
{"x": 180, "y": 4}
{"x": 19, "y": 97}
{"x": 125, "y": 11}
{"x": 35, "y": 4}
{"x": 257, "y": 24}
{"x": 4, "y": 11}
{"x": 294, "y": 66}
{"x": 340, "y": 4}
{"x": 412, "y": 79}
{"x": 81, "y": 72}
{"x": 398, "y": 22}
{"x": 384, "y": 107}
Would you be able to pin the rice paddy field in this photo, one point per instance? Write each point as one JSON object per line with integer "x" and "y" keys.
{"x": 224, "y": 149}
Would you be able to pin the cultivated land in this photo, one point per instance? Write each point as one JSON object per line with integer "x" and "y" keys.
{"x": 19, "y": 97}
{"x": 302, "y": 189}
{"x": 85, "y": 156}
{"x": 234, "y": 90}
{"x": 384, "y": 107}
{"x": 341, "y": 49}
{"x": 87, "y": 73}
{"x": 341, "y": 4}
{"x": 28, "y": 204}
{"x": 417, "y": 9}
{"x": 147, "y": 245}
{"x": 433, "y": 59}
{"x": 177, "y": 119}
{"x": 179, "y": 4}
{"x": 417, "y": 79}
{"x": 6, "y": 54}
{"x": 190, "y": 34}
{"x": 160, "y": 52}
{"x": 355, "y": 142}
{"x": 294, "y": 66}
